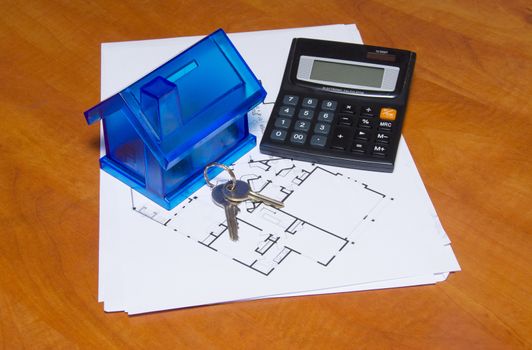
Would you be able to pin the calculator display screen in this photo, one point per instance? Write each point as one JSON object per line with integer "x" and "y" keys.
{"x": 347, "y": 73}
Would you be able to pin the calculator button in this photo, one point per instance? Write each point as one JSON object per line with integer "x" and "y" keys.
{"x": 341, "y": 138}
{"x": 364, "y": 123}
{"x": 298, "y": 137}
{"x": 359, "y": 147}
{"x": 367, "y": 111}
{"x": 380, "y": 150}
{"x": 385, "y": 125}
{"x": 329, "y": 105}
{"x": 362, "y": 135}
{"x": 322, "y": 128}
{"x": 310, "y": 102}
{"x": 318, "y": 140}
{"x": 383, "y": 137}
{"x": 345, "y": 120}
{"x": 306, "y": 114}
{"x": 302, "y": 125}
{"x": 278, "y": 135}
{"x": 283, "y": 123}
{"x": 348, "y": 108}
{"x": 388, "y": 114}
{"x": 290, "y": 100}
{"x": 325, "y": 117}
{"x": 286, "y": 111}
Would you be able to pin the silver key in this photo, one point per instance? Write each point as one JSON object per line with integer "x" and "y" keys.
{"x": 241, "y": 191}
{"x": 231, "y": 210}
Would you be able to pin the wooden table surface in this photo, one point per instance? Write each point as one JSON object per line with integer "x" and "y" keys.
{"x": 468, "y": 127}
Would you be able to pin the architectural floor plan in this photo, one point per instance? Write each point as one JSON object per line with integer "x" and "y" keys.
{"x": 311, "y": 226}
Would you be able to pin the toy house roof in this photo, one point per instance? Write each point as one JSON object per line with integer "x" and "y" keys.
{"x": 187, "y": 99}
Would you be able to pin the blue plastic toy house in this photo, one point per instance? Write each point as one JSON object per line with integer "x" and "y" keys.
{"x": 161, "y": 131}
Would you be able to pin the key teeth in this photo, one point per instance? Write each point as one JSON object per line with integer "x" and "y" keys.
{"x": 257, "y": 197}
{"x": 233, "y": 236}
{"x": 232, "y": 226}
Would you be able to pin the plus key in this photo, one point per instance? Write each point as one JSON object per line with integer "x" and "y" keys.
{"x": 341, "y": 138}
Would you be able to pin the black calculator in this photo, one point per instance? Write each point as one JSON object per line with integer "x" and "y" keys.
{"x": 340, "y": 104}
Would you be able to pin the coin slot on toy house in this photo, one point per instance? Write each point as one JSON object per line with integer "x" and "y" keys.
{"x": 161, "y": 131}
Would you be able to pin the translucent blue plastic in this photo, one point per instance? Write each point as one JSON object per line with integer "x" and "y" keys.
{"x": 161, "y": 131}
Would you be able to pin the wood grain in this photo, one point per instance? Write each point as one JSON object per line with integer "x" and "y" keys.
{"x": 468, "y": 128}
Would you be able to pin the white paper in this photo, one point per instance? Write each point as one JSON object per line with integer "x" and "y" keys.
{"x": 146, "y": 265}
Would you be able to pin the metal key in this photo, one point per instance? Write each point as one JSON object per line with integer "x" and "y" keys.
{"x": 241, "y": 191}
{"x": 231, "y": 210}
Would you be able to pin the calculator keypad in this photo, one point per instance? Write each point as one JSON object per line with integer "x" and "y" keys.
{"x": 333, "y": 126}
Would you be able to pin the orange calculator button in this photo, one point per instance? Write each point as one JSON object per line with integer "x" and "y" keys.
{"x": 388, "y": 113}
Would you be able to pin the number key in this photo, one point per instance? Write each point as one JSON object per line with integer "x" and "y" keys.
{"x": 298, "y": 137}
{"x": 286, "y": 111}
{"x": 322, "y": 128}
{"x": 290, "y": 100}
{"x": 325, "y": 117}
{"x": 310, "y": 102}
{"x": 306, "y": 114}
{"x": 278, "y": 135}
{"x": 302, "y": 125}
{"x": 329, "y": 105}
{"x": 283, "y": 123}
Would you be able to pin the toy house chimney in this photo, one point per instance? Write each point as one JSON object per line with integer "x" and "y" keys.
{"x": 159, "y": 100}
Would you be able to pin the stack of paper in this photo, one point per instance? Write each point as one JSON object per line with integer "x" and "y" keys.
{"x": 341, "y": 229}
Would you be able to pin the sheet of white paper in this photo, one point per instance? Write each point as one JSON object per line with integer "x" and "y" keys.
{"x": 387, "y": 238}
{"x": 396, "y": 283}
{"x": 148, "y": 266}
{"x": 124, "y": 62}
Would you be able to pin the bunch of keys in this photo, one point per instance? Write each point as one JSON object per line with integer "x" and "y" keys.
{"x": 229, "y": 194}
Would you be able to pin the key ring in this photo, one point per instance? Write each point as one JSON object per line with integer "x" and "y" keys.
{"x": 224, "y": 167}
